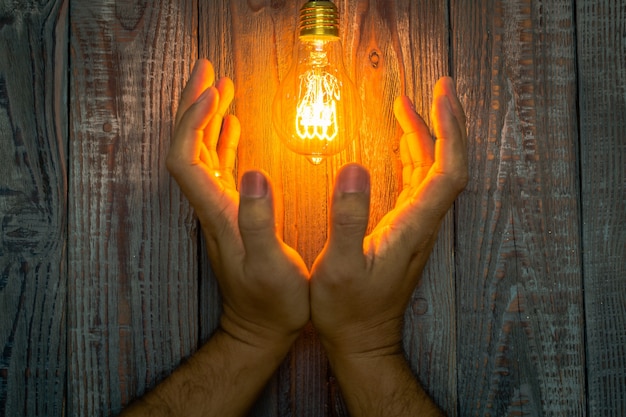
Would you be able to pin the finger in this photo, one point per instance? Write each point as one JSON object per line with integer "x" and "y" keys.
{"x": 407, "y": 117}
{"x": 407, "y": 165}
{"x": 227, "y": 92}
{"x": 212, "y": 131}
{"x": 417, "y": 153}
{"x": 205, "y": 156}
{"x": 349, "y": 212}
{"x": 450, "y": 148}
{"x": 227, "y": 145}
{"x": 415, "y": 222}
{"x": 257, "y": 224}
{"x": 445, "y": 86}
{"x": 419, "y": 215}
{"x": 187, "y": 142}
{"x": 187, "y": 159}
{"x": 202, "y": 77}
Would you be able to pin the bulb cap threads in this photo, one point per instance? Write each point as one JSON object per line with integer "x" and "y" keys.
{"x": 319, "y": 19}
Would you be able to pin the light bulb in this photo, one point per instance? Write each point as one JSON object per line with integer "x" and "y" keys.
{"x": 316, "y": 110}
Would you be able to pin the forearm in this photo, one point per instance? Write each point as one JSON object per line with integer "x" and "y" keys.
{"x": 381, "y": 386}
{"x": 223, "y": 378}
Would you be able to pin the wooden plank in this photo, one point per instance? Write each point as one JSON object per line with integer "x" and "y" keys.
{"x": 519, "y": 295}
{"x": 430, "y": 320}
{"x": 259, "y": 38}
{"x": 602, "y": 86}
{"x": 401, "y": 47}
{"x": 33, "y": 192}
{"x": 133, "y": 238}
{"x": 380, "y": 39}
{"x": 215, "y": 42}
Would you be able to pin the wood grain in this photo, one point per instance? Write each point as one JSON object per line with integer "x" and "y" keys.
{"x": 214, "y": 37}
{"x": 401, "y": 47}
{"x": 104, "y": 282}
{"x": 133, "y": 263}
{"x": 519, "y": 295}
{"x": 380, "y": 56}
{"x": 259, "y": 37}
{"x": 33, "y": 218}
{"x": 430, "y": 321}
{"x": 602, "y": 86}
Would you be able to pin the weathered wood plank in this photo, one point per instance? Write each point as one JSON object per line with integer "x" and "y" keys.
{"x": 430, "y": 335}
{"x": 215, "y": 43}
{"x": 519, "y": 294}
{"x": 602, "y": 86}
{"x": 33, "y": 192}
{"x": 381, "y": 40}
{"x": 132, "y": 247}
{"x": 401, "y": 47}
{"x": 259, "y": 38}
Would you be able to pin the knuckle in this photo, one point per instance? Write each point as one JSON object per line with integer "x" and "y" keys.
{"x": 456, "y": 179}
{"x": 257, "y": 222}
{"x": 172, "y": 163}
{"x": 459, "y": 179}
{"x": 349, "y": 223}
{"x": 256, "y": 226}
{"x": 337, "y": 272}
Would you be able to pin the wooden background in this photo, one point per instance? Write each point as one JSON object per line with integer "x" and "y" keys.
{"x": 104, "y": 285}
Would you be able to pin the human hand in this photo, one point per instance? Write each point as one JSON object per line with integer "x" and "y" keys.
{"x": 263, "y": 282}
{"x": 360, "y": 287}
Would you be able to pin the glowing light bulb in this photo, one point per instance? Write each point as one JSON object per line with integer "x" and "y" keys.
{"x": 316, "y": 111}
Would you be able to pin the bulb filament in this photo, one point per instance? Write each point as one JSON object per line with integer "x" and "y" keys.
{"x": 316, "y": 115}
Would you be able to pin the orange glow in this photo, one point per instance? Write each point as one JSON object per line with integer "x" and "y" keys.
{"x": 316, "y": 110}
{"x": 316, "y": 115}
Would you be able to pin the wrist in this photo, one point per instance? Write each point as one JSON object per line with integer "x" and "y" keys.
{"x": 365, "y": 340}
{"x": 257, "y": 337}
{"x": 223, "y": 377}
{"x": 354, "y": 366}
{"x": 381, "y": 385}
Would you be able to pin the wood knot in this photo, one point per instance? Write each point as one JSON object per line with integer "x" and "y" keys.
{"x": 129, "y": 14}
{"x": 419, "y": 306}
{"x": 25, "y": 229}
{"x": 277, "y": 4}
{"x": 256, "y": 5}
{"x": 374, "y": 58}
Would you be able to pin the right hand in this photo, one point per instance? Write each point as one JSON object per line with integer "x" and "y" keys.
{"x": 361, "y": 285}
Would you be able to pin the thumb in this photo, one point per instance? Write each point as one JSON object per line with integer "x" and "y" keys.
{"x": 256, "y": 215}
{"x": 349, "y": 211}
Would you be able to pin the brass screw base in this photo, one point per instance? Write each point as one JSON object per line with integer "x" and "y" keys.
{"x": 319, "y": 19}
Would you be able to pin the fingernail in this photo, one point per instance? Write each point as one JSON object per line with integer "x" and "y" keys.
{"x": 206, "y": 93}
{"x": 353, "y": 179}
{"x": 253, "y": 185}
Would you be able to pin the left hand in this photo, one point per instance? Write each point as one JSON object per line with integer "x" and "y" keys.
{"x": 263, "y": 282}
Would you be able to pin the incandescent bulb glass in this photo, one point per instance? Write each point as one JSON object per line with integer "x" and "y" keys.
{"x": 316, "y": 110}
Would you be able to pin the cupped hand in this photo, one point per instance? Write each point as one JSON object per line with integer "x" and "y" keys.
{"x": 263, "y": 282}
{"x": 361, "y": 285}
